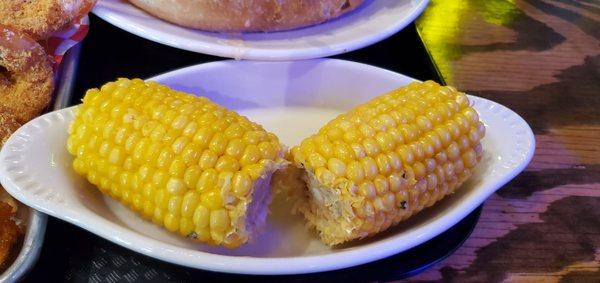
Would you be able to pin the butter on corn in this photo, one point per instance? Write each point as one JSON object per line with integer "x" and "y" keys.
{"x": 182, "y": 161}
{"x": 387, "y": 159}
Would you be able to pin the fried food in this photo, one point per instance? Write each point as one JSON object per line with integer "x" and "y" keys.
{"x": 190, "y": 165}
{"x": 9, "y": 231}
{"x": 8, "y": 124}
{"x": 40, "y": 19}
{"x": 26, "y": 76}
{"x": 387, "y": 159}
{"x": 246, "y": 15}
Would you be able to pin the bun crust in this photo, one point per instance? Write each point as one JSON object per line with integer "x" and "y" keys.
{"x": 246, "y": 15}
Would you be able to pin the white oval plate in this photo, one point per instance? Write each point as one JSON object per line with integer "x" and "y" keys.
{"x": 292, "y": 99}
{"x": 374, "y": 21}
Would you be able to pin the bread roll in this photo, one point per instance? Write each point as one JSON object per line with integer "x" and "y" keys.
{"x": 246, "y": 15}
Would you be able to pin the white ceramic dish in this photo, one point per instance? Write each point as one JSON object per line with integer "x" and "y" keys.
{"x": 291, "y": 99}
{"x": 376, "y": 20}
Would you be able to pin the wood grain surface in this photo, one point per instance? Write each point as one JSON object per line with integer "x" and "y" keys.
{"x": 542, "y": 59}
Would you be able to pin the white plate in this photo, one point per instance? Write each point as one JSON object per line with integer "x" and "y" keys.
{"x": 376, "y": 20}
{"x": 291, "y": 99}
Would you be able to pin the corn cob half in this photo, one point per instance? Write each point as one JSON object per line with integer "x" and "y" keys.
{"x": 185, "y": 162}
{"x": 387, "y": 159}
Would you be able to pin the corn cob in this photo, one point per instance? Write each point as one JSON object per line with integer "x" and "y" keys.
{"x": 387, "y": 159}
{"x": 182, "y": 161}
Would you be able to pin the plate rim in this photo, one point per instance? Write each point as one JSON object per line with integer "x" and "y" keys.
{"x": 280, "y": 265}
{"x": 229, "y": 51}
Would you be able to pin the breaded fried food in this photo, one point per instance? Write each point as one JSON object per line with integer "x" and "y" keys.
{"x": 8, "y": 124}
{"x": 41, "y": 18}
{"x": 26, "y": 76}
{"x": 9, "y": 231}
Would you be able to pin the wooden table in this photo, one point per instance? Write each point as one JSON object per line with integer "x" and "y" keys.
{"x": 542, "y": 59}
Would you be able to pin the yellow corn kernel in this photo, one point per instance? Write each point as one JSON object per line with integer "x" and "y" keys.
{"x": 250, "y": 156}
{"x": 368, "y": 190}
{"x": 255, "y": 171}
{"x": 207, "y": 180}
{"x": 336, "y": 167}
{"x": 219, "y": 220}
{"x": 191, "y": 176}
{"x": 469, "y": 158}
{"x": 203, "y": 137}
{"x": 189, "y": 203}
{"x": 371, "y": 146}
{"x": 171, "y": 222}
{"x": 208, "y": 159}
{"x": 317, "y": 160}
{"x": 218, "y": 143}
{"x": 355, "y": 172}
{"x": 190, "y": 154}
{"x": 227, "y": 163}
{"x": 325, "y": 176}
{"x": 202, "y": 234}
{"x": 224, "y": 181}
{"x": 235, "y": 148}
{"x": 186, "y": 226}
{"x": 177, "y": 167}
{"x": 381, "y": 185}
{"x": 201, "y": 217}
{"x": 211, "y": 199}
{"x": 158, "y": 216}
{"x": 343, "y": 151}
{"x": 176, "y": 186}
{"x": 242, "y": 184}
{"x": 370, "y": 167}
{"x": 159, "y": 179}
{"x": 174, "y": 205}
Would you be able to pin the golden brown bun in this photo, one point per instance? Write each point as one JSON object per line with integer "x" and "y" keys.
{"x": 246, "y": 15}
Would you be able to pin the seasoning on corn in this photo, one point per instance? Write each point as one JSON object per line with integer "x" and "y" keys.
{"x": 387, "y": 159}
{"x": 185, "y": 162}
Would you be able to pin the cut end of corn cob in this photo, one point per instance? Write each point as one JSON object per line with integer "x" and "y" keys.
{"x": 182, "y": 161}
{"x": 387, "y": 159}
